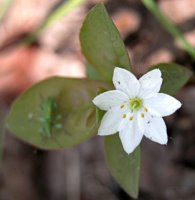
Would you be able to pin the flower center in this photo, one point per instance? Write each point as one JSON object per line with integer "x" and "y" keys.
{"x": 136, "y": 103}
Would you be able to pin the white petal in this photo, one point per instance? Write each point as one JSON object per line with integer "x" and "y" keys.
{"x": 125, "y": 81}
{"x": 110, "y": 122}
{"x": 110, "y": 99}
{"x": 142, "y": 118}
{"x": 150, "y": 83}
{"x": 162, "y": 105}
{"x": 130, "y": 135}
{"x": 156, "y": 130}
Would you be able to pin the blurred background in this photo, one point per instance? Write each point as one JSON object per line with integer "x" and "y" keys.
{"x": 39, "y": 39}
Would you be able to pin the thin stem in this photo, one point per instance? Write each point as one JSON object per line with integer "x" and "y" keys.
{"x": 4, "y": 8}
{"x": 169, "y": 26}
{"x": 57, "y": 15}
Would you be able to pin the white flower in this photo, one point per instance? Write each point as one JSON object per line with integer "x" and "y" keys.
{"x": 136, "y": 108}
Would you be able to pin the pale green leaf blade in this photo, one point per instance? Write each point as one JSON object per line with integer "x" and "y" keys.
{"x": 123, "y": 167}
{"x": 174, "y": 77}
{"x": 92, "y": 73}
{"x": 101, "y": 43}
{"x": 73, "y": 121}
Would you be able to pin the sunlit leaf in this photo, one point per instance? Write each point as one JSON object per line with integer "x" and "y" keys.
{"x": 56, "y": 113}
{"x": 123, "y": 167}
{"x": 174, "y": 77}
{"x": 101, "y": 43}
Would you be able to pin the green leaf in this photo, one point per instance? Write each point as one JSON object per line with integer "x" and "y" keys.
{"x": 124, "y": 168}
{"x": 174, "y": 77}
{"x": 56, "y": 113}
{"x": 101, "y": 43}
{"x": 92, "y": 73}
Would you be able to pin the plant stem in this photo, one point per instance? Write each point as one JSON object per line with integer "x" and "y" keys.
{"x": 4, "y": 8}
{"x": 169, "y": 26}
{"x": 57, "y": 15}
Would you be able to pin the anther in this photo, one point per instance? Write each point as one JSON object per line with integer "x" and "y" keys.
{"x": 142, "y": 115}
{"x": 131, "y": 118}
{"x": 122, "y": 106}
{"x": 124, "y": 115}
{"x": 145, "y": 109}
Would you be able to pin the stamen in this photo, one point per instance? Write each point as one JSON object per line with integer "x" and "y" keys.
{"x": 131, "y": 118}
{"x": 122, "y": 106}
{"x": 135, "y": 103}
{"x": 142, "y": 115}
{"x": 124, "y": 115}
{"x": 145, "y": 109}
